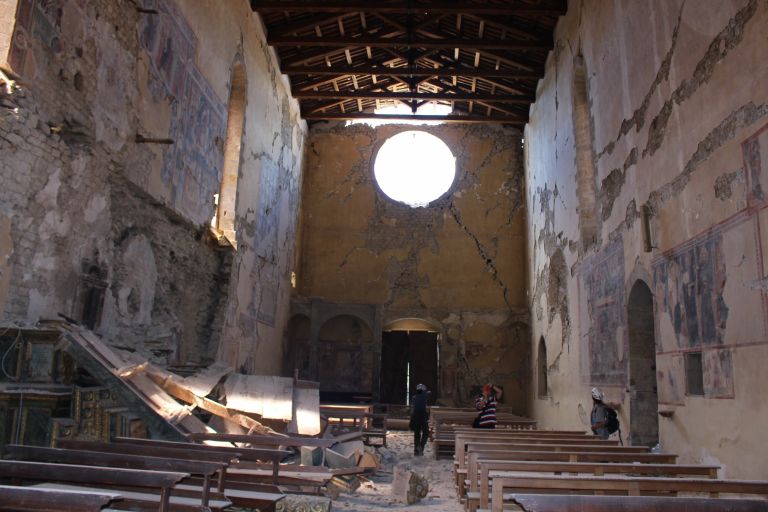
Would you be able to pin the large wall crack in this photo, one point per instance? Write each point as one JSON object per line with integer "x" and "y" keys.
{"x": 638, "y": 117}
{"x": 490, "y": 265}
{"x": 718, "y": 49}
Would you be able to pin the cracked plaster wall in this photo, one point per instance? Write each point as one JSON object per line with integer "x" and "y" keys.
{"x": 678, "y": 111}
{"x": 458, "y": 264}
{"x": 79, "y": 192}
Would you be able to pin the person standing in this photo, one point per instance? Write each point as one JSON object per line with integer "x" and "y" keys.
{"x": 486, "y": 404}
{"x": 599, "y": 416}
{"x": 420, "y": 419}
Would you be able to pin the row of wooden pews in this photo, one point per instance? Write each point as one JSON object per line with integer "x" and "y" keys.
{"x": 499, "y": 469}
{"x": 130, "y": 473}
{"x": 445, "y": 421}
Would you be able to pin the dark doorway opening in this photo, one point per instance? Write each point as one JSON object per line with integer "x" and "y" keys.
{"x": 408, "y": 358}
{"x": 644, "y": 398}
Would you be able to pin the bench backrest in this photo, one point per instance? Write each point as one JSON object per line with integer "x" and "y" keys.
{"x": 114, "y": 460}
{"x": 523, "y": 446}
{"x": 261, "y": 440}
{"x": 511, "y": 454}
{"x": 49, "y": 471}
{"x": 478, "y": 469}
{"x": 630, "y": 486}
{"x": 559, "y": 503}
{"x": 490, "y": 469}
{"x": 242, "y": 453}
{"x": 46, "y": 500}
{"x": 148, "y": 451}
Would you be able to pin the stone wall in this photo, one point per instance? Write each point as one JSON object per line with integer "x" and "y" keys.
{"x": 670, "y": 129}
{"x": 111, "y": 152}
{"x": 457, "y": 264}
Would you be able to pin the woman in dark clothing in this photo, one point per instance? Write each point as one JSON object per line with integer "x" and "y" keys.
{"x": 420, "y": 419}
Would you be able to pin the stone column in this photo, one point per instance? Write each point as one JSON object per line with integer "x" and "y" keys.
{"x": 7, "y": 25}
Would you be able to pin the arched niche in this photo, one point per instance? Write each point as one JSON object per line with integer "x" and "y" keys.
{"x": 345, "y": 355}
{"x": 644, "y": 398}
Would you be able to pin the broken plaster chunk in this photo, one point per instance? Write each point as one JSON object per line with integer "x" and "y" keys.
{"x": 408, "y": 486}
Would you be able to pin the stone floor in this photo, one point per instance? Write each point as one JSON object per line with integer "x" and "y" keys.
{"x": 377, "y": 493}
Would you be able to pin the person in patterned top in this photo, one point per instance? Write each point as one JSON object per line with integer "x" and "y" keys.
{"x": 486, "y": 404}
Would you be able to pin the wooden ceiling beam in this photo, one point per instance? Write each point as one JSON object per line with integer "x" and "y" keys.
{"x": 308, "y": 23}
{"x": 520, "y": 29}
{"x": 400, "y": 42}
{"x": 420, "y": 96}
{"x": 450, "y": 118}
{"x": 549, "y": 8}
{"x": 405, "y": 71}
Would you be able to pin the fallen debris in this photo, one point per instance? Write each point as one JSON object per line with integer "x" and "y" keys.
{"x": 408, "y": 486}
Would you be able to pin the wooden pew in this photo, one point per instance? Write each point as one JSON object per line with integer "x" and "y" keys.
{"x": 227, "y": 488}
{"x": 482, "y": 472}
{"x": 509, "y": 454}
{"x": 521, "y": 446}
{"x": 205, "y": 470}
{"x": 578, "y": 503}
{"x": 162, "y": 481}
{"x": 34, "y": 499}
{"x": 478, "y": 441}
{"x": 249, "y": 454}
{"x": 503, "y": 488}
{"x": 247, "y": 458}
{"x": 273, "y": 441}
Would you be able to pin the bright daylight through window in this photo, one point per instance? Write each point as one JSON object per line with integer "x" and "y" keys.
{"x": 414, "y": 168}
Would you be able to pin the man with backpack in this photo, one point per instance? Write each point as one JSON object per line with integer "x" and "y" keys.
{"x": 603, "y": 419}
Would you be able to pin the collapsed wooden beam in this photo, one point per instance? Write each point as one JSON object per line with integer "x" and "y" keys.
{"x": 177, "y": 390}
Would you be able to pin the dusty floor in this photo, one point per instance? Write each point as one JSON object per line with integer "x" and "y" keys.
{"x": 376, "y": 494}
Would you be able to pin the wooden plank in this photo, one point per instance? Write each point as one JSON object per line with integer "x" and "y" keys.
{"x": 559, "y": 503}
{"x": 268, "y": 396}
{"x": 634, "y": 486}
{"x": 176, "y": 503}
{"x": 203, "y": 382}
{"x": 49, "y": 500}
{"x": 119, "y": 460}
{"x": 263, "y": 440}
{"x": 171, "y": 385}
{"x": 40, "y": 471}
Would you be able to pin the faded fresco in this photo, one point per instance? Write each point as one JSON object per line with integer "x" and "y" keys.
{"x": 753, "y": 164}
{"x": 193, "y": 164}
{"x": 41, "y": 20}
{"x": 265, "y": 243}
{"x": 718, "y": 373}
{"x": 670, "y": 379}
{"x": 689, "y": 286}
{"x": 604, "y": 285}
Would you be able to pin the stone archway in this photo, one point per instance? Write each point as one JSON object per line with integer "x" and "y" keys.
{"x": 644, "y": 398}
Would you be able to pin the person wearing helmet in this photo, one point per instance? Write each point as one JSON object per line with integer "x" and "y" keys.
{"x": 598, "y": 416}
{"x": 420, "y": 419}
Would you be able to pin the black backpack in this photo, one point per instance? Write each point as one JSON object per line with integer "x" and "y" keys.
{"x": 611, "y": 420}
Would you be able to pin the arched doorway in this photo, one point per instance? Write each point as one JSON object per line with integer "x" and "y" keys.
{"x": 409, "y": 356}
{"x": 644, "y": 398}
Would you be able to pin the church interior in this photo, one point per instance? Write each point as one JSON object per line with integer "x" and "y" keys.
{"x": 261, "y": 217}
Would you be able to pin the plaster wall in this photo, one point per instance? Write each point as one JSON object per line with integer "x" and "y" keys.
{"x": 678, "y": 116}
{"x": 111, "y": 151}
{"x": 458, "y": 264}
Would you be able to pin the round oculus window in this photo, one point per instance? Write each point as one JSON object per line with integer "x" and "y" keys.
{"x": 414, "y": 168}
